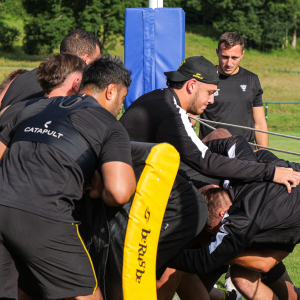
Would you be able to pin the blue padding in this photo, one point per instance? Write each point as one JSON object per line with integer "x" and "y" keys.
{"x": 154, "y": 44}
{"x": 134, "y": 52}
{"x": 169, "y": 42}
{"x": 149, "y": 50}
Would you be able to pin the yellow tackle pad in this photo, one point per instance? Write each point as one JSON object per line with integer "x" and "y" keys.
{"x": 145, "y": 220}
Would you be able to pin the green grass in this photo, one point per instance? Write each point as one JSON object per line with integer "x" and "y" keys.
{"x": 278, "y": 70}
{"x": 279, "y": 73}
{"x": 292, "y": 264}
{"x": 286, "y": 144}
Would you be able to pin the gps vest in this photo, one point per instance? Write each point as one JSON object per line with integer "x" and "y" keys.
{"x": 53, "y": 126}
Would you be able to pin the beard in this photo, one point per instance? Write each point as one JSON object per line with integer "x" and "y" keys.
{"x": 114, "y": 109}
{"x": 194, "y": 108}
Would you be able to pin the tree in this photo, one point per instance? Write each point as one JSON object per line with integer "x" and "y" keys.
{"x": 8, "y": 35}
{"x": 53, "y": 19}
{"x": 292, "y": 15}
{"x": 262, "y": 23}
{"x": 105, "y": 19}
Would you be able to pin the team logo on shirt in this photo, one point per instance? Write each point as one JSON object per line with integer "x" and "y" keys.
{"x": 47, "y": 123}
{"x": 217, "y": 92}
{"x": 243, "y": 87}
{"x": 44, "y": 131}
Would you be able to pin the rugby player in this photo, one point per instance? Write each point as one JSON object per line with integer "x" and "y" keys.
{"x": 78, "y": 42}
{"x": 263, "y": 215}
{"x": 162, "y": 116}
{"x": 46, "y": 152}
{"x": 238, "y": 99}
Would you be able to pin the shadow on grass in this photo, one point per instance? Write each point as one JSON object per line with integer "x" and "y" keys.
{"x": 18, "y": 54}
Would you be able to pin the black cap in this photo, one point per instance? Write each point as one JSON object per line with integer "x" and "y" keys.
{"x": 197, "y": 67}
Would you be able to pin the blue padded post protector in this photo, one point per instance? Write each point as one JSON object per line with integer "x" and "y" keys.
{"x": 154, "y": 44}
{"x": 149, "y": 50}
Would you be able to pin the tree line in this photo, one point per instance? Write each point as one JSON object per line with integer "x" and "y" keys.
{"x": 264, "y": 24}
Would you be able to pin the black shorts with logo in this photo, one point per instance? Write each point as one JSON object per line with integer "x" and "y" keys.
{"x": 48, "y": 255}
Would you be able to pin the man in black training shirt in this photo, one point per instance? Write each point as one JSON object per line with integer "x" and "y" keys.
{"x": 46, "y": 152}
{"x": 161, "y": 116}
{"x": 263, "y": 216}
{"x": 238, "y": 99}
{"x": 78, "y": 42}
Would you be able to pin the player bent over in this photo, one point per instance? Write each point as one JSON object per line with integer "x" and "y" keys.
{"x": 263, "y": 215}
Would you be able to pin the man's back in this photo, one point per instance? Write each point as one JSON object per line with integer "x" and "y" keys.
{"x": 25, "y": 187}
{"x": 143, "y": 118}
{"x": 271, "y": 208}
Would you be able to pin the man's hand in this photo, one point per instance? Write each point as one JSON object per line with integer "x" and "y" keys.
{"x": 286, "y": 176}
{"x": 94, "y": 185}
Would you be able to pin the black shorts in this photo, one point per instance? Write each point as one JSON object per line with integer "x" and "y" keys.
{"x": 184, "y": 218}
{"x": 274, "y": 274}
{"x": 48, "y": 255}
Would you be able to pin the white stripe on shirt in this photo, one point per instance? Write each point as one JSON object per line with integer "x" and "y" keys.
{"x": 231, "y": 154}
{"x": 220, "y": 235}
{"x": 189, "y": 129}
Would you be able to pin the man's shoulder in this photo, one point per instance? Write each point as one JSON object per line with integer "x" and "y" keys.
{"x": 246, "y": 73}
{"x": 98, "y": 110}
{"x": 96, "y": 117}
{"x": 23, "y": 87}
{"x": 159, "y": 95}
{"x": 26, "y": 78}
{"x": 157, "y": 105}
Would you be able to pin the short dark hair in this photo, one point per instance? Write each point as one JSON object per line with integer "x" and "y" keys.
{"x": 216, "y": 198}
{"x": 11, "y": 76}
{"x": 175, "y": 85}
{"x": 105, "y": 71}
{"x": 55, "y": 69}
{"x": 231, "y": 39}
{"x": 79, "y": 42}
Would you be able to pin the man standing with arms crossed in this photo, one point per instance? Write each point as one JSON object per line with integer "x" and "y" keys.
{"x": 238, "y": 99}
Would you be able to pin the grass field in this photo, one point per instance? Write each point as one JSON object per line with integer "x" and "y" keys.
{"x": 286, "y": 144}
{"x": 292, "y": 262}
{"x": 279, "y": 73}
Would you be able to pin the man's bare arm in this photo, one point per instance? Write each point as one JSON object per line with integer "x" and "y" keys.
{"x": 3, "y": 149}
{"x": 260, "y": 123}
{"x": 118, "y": 183}
{"x": 260, "y": 260}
